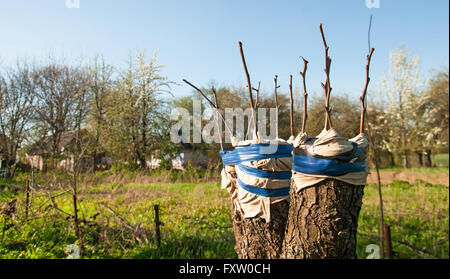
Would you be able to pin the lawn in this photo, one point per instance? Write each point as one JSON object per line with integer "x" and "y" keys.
{"x": 118, "y": 220}
{"x": 441, "y": 160}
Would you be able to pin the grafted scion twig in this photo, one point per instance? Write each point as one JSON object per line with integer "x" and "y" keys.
{"x": 363, "y": 97}
{"x": 250, "y": 95}
{"x": 305, "y": 94}
{"x": 291, "y": 102}
{"x": 326, "y": 86}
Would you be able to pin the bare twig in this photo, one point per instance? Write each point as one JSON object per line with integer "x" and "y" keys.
{"x": 257, "y": 95}
{"x": 291, "y": 109}
{"x": 55, "y": 206}
{"x": 445, "y": 240}
{"x": 126, "y": 223}
{"x": 217, "y": 112}
{"x": 27, "y": 203}
{"x": 275, "y": 91}
{"x": 327, "y": 87}
{"x": 421, "y": 251}
{"x": 363, "y": 97}
{"x": 305, "y": 94}
{"x": 277, "y": 107}
{"x": 201, "y": 93}
{"x": 250, "y": 95}
{"x": 373, "y": 146}
{"x": 368, "y": 33}
{"x": 257, "y": 104}
{"x": 210, "y": 103}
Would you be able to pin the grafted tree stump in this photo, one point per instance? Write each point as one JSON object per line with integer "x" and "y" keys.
{"x": 323, "y": 221}
{"x": 258, "y": 239}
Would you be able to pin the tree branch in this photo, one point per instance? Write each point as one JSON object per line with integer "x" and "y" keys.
{"x": 250, "y": 95}
{"x": 363, "y": 97}
{"x": 305, "y": 94}
{"x": 201, "y": 93}
{"x": 216, "y": 106}
{"x": 291, "y": 102}
{"x": 217, "y": 109}
{"x": 276, "y": 100}
{"x": 326, "y": 87}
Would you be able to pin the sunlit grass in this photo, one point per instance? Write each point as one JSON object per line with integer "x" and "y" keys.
{"x": 418, "y": 214}
{"x": 197, "y": 223}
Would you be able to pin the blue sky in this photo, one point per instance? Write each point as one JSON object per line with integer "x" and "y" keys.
{"x": 198, "y": 39}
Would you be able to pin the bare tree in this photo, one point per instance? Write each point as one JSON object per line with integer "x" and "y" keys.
{"x": 58, "y": 105}
{"x": 16, "y": 102}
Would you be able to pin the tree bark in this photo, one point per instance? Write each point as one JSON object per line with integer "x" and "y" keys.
{"x": 323, "y": 221}
{"x": 258, "y": 239}
{"x": 428, "y": 162}
{"x": 392, "y": 160}
{"x": 405, "y": 160}
{"x": 420, "y": 157}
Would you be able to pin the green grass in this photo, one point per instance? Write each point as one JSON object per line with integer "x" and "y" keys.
{"x": 418, "y": 214}
{"x": 433, "y": 170}
{"x": 118, "y": 221}
{"x": 196, "y": 223}
{"x": 441, "y": 160}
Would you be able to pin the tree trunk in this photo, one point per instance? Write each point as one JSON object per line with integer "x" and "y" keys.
{"x": 323, "y": 221}
{"x": 428, "y": 162}
{"x": 13, "y": 171}
{"x": 405, "y": 151}
{"x": 420, "y": 157}
{"x": 391, "y": 156}
{"x": 258, "y": 239}
{"x": 405, "y": 160}
{"x": 97, "y": 141}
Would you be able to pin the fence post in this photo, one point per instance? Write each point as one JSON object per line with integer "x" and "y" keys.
{"x": 27, "y": 205}
{"x": 157, "y": 224}
{"x": 388, "y": 244}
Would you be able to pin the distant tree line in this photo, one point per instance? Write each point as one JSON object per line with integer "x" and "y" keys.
{"x": 127, "y": 111}
{"x": 124, "y": 110}
{"x": 409, "y": 119}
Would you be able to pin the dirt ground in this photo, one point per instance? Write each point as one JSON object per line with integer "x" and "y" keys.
{"x": 409, "y": 176}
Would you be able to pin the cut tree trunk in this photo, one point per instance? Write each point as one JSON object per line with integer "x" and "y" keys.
{"x": 258, "y": 239}
{"x": 323, "y": 221}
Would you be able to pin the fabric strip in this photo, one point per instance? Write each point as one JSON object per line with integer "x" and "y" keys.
{"x": 254, "y": 153}
{"x": 279, "y": 175}
{"x": 281, "y": 192}
{"x": 319, "y": 166}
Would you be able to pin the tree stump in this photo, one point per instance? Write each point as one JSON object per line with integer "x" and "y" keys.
{"x": 258, "y": 239}
{"x": 323, "y": 221}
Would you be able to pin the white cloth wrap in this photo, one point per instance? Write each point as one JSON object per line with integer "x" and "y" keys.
{"x": 329, "y": 144}
{"x": 249, "y": 204}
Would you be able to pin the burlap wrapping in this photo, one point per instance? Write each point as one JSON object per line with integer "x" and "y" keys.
{"x": 330, "y": 144}
{"x": 252, "y": 205}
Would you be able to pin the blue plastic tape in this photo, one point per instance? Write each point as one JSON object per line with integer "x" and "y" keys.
{"x": 325, "y": 167}
{"x": 279, "y": 175}
{"x": 281, "y": 192}
{"x": 254, "y": 152}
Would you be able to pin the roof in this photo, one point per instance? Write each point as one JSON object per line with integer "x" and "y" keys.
{"x": 67, "y": 142}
